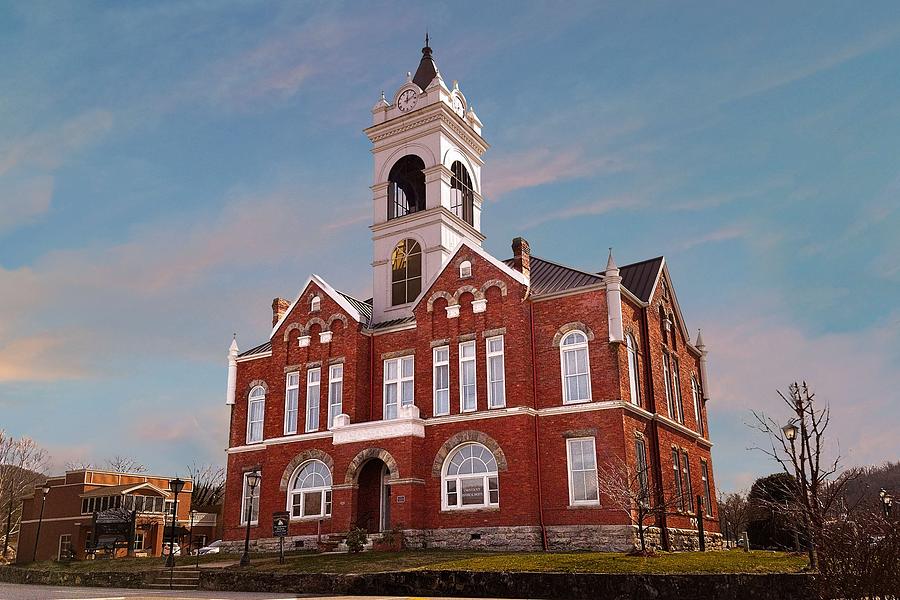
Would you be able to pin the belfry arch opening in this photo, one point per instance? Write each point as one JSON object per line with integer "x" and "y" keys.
{"x": 406, "y": 189}
{"x": 462, "y": 194}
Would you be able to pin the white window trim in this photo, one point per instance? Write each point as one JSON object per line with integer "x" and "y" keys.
{"x": 318, "y": 397}
{"x": 675, "y": 365}
{"x": 327, "y": 489}
{"x": 667, "y": 380}
{"x": 634, "y": 385}
{"x": 465, "y": 269}
{"x": 290, "y": 426}
{"x": 572, "y": 500}
{"x": 332, "y": 379}
{"x": 244, "y": 489}
{"x": 474, "y": 361}
{"x": 695, "y": 394}
{"x": 707, "y": 492}
{"x": 315, "y": 304}
{"x": 262, "y": 421}
{"x": 434, "y": 378}
{"x": 59, "y": 549}
{"x": 487, "y": 365}
{"x": 399, "y": 381}
{"x": 562, "y": 366}
{"x": 687, "y": 487}
{"x": 458, "y": 478}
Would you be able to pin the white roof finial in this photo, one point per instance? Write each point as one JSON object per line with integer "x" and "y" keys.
{"x": 233, "y": 349}
{"x": 611, "y": 262}
{"x": 700, "y": 345}
{"x": 408, "y": 76}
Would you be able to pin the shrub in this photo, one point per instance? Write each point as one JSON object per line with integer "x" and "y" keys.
{"x": 356, "y": 539}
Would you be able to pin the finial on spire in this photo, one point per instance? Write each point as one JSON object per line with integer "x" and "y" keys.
{"x": 700, "y": 345}
{"x": 426, "y": 37}
{"x": 611, "y": 262}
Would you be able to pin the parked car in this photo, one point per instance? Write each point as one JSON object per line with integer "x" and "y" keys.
{"x": 176, "y": 549}
{"x": 214, "y": 548}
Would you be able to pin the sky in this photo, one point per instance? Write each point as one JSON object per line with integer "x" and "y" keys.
{"x": 167, "y": 168}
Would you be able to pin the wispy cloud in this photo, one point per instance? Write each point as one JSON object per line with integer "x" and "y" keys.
{"x": 44, "y": 357}
{"x": 24, "y": 202}
{"x": 541, "y": 166}
{"x": 723, "y": 234}
{"x": 597, "y": 207}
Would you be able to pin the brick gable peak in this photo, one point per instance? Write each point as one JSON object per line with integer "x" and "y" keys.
{"x": 343, "y": 300}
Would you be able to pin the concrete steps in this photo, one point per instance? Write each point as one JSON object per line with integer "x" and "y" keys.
{"x": 178, "y": 579}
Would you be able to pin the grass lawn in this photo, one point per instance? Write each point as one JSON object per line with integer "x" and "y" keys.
{"x": 734, "y": 561}
{"x": 588, "y": 562}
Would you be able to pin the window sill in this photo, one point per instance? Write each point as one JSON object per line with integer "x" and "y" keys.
{"x": 312, "y": 519}
{"x": 583, "y": 505}
{"x": 447, "y": 510}
{"x": 569, "y": 402}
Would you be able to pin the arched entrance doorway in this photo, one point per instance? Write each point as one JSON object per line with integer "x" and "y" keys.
{"x": 373, "y": 500}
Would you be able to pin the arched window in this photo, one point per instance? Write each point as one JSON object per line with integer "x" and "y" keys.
{"x": 406, "y": 192}
{"x": 634, "y": 377}
{"x": 695, "y": 392}
{"x": 462, "y": 196}
{"x": 406, "y": 272}
{"x": 575, "y": 368}
{"x": 315, "y": 304}
{"x": 256, "y": 408}
{"x": 470, "y": 478}
{"x": 310, "y": 491}
{"x": 465, "y": 269}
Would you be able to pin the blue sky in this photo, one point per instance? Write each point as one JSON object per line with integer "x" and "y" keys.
{"x": 167, "y": 168}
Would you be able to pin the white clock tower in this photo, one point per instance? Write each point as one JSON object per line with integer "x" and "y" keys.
{"x": 426, "y": 191}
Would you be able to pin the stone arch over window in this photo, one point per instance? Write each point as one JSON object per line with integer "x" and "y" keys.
{"x": 290, "y": 328}
{"x": 464, "y": 437}
{"x": 479, "y": 295}
{"x": 406, "y": 271}
{"x": 573, "y": 326}
{"x": 258, "y": 382}
{"x": 301, "y": 458}
{"x": 406, "y": 187}
{"x": 365, "y": 456}
{"x": 337, "y": 317}
{"x": 497, "y": 283}
{"x": 315, "y": 321}
{"x": 434, "y": 297}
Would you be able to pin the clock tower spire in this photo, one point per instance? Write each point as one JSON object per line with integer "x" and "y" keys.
{"x": 426, "y": 189}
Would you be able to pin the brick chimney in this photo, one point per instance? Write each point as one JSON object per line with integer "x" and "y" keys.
{"x": 522, "y": 256}
{"x": 279, "y": 307}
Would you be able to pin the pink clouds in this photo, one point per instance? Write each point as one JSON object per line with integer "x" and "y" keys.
{"x": 42, "y": 357}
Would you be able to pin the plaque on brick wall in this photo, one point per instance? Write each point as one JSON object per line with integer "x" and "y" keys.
{"x": 401, "y": 499}
{"x": 280, "y": 521}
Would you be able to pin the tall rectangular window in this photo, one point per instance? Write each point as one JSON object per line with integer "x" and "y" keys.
{"x": 698, "y": 411}
{"x": 582, "y": 461}
{"x": 65, "y": 546}
{"x": 676, "y": 390}
{"x": 640, "y": 452}
{"x": 676, "y": 468}
{"x": 255, "y": 414}
{"x": 686, "y": 481}
{"x": 335, "y": 392}
{"x": 441, "y": 378}
{"x": 707, "y": 496}
{"x": 250, "y": 502}
{"x": 291, "y": 399}
{"x": 313, "y": 386}
{"x": 496, "y": 373}
{"x": 468, "y": 395}
{"x": 667, "y": 379}
{"x": 398, "y": 385}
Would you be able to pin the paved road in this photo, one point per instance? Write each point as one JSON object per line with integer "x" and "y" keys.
{"x": 43, "y": 592}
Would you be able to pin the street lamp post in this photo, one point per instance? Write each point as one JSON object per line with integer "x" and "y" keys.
{"x": 252, "y": 482}
{"x": 887, "y": 502}
{"x": 191, "y": 532}
{"x": 176, "y": 485}
{"x": 37, "y": 536}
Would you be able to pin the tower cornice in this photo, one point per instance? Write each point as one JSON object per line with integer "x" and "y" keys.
{"x": 433, "y": 113}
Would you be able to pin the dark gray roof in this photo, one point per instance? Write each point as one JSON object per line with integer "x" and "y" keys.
{"x": 427, "y": 69}
{"x": 392, "y": 322}
{"x": 639, "y": 277}
{"x": 548, "y": 277}
{"x": 267, "y": 347}
{"x": 363, "y": 306}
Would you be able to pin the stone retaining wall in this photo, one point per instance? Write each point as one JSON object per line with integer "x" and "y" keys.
{"x": 550, "y": 586}
{"x": 125, "y": 579}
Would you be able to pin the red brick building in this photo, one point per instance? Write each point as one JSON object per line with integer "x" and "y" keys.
{"x": 74, "y": 498}
{"x": 471, "y": 400}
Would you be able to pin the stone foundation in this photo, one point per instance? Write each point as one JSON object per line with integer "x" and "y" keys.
{"x": 560, "y": 538}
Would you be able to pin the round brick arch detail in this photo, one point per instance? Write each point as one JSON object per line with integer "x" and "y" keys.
{"x": 463, "y": 437}
{"x": 573, "y": 326}
{"x": 365, "y": 456}
{"x": 290, "y": 328}
{"x": 301, "y": 458}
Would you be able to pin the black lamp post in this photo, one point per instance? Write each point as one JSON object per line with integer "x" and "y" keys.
{"x": 37, "y": 536}
{"x": 887, "y": 502}
{"x": 252, "y": 482}
{"x": 176, "y": 485}
{"x": 191, "y": 532}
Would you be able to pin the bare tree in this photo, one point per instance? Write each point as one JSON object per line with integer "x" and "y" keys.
{"x": 734, "y": 512}
{"x": 800, "y": 447}
{"x": 78, "y": 465}
{"x": 125, "y": 464}
{"x": 209, "y": 485}
{"x": 22, "y": 465}
{"x": 629, "y": 490}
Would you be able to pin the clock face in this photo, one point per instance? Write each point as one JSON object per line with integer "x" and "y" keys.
{"x": 407, "y": 100}
{"x": 458, "y": 106}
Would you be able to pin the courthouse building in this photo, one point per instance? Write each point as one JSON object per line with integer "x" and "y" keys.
{"x": 469, "y": 402}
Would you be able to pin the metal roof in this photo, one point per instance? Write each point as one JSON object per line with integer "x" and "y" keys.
{"x": 639, "y": 277}
{"x": 363, "y": 306}
{"x": 392, "y": 322}
{"x": 548, "y": 277}
{"x": 262, "y": 348}
{"x": 427, "y": 68}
